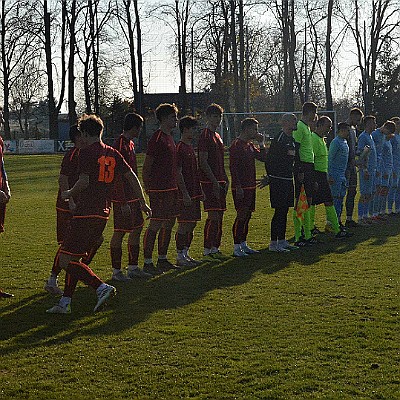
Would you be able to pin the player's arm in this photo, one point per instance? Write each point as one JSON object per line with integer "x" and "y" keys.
{"x": 182, "y": 188}
{"x": 6, "y": 193}
{"x": 205, "y": 167}
{"x": 146, "y": 171}
{"x": 81, "y": 184}
{"x": 133, "y": 180}
{"x": 234, "y": 165}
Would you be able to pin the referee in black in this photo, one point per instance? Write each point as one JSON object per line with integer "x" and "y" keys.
{"x": 279, "y": 167}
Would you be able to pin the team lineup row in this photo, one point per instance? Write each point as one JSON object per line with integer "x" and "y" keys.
{"x": 300, "y": 170}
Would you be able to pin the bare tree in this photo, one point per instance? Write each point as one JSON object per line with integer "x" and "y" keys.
{"x": 54, "y": 106}
{"x": 371, "y": 34}
{"x": 19, "y": 32}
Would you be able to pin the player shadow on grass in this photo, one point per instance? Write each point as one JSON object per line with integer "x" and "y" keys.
{"x": 25, "y": 323}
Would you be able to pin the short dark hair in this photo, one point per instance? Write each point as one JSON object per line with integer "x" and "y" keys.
{"x": 247, "y": 122}
{"x": 390, "y": 126}
{"x": 369, "y": 118}
{"x": 322, "y": 120}
{"x": 165, "y": 110}
{"x": 132, "y": 120}
{"x": 356, "y": 111}
{"x": 91, "y": 124}
{"x": 187, "y": 122}
{"x": 74, "y": 133}
{"x": 213, "y": 109}
{"x": 309, "y": 108}
{"x": 343, "y": 125}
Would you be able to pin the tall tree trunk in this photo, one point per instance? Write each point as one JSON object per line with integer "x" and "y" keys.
{"x": 241, "y": 57}
{"x": 53, "y": 114}
{"x": 328, "y": 58}
{"x": 72, "y": 115}
{"x": 131, "y": 44}
{"x": 6, "y": 76}
{"x": 235, "y": 66}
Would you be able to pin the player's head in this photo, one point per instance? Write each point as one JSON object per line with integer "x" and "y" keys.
{"x": 214, "y": 115}
{"x": 355, "y": 116}
{"x": 309, "y": 111}
{"x": 289, "y": 123}
{"x": 343, "y": 129}
{"x": 388, "y": 128}
{"x": 133, "y": 124}
{"x": 187, "y": 125}
{"x": 165, "y": 111}
{"x": 369, "y": 123}
{"x": 90, "y": 125}
{"x": 396, "y": 120}
{"x": 323, "y": 126}
{"x": 166, "y": 115}
{"x": 249, "y": 128}
{"x": 75, "y": 136}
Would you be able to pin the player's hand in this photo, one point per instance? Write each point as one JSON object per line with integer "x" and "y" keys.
{"x": 263, "y": 182}
{"x": 146, "y": 209}
{"x": 4, "y": 198}
{"x": 66, "y": 195}
{"x": 366, "y": 175}
{"x": 331, "y": 181}
{"x": 187, "y": 201}
{"x": 239, "y": 193}
{"x": 217, "y": 190}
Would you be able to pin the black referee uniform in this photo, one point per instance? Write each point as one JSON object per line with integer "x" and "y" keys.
{"x": 279, "y": 167}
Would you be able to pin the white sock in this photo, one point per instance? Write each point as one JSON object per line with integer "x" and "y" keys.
{"x": 180, "y": 255}
{"x": 237, "y": 246}
{"x": 207, "y": 252}
{"x": 132, "y": 267}
{"x": 116, "y": 270}
{"x": 214, "y": 250}
{"x": 162, "y": 257}
{"x": 148, "y": 261}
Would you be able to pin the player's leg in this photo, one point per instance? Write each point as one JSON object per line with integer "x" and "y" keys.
{"x": 350, "y": 199}
{"x": 182, "y": 237}
{"x": 92, "y": 252}
{"x": 133, "y": 255}
{"x": 238, "y": 231}
{"x": 149, "y": 239}
{"x": 164, "y": 239}
{"x": 116, "y": 255}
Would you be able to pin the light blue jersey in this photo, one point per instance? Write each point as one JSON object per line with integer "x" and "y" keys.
{"x": 395, "y": 140}
{"x": 379, "y": 139}
{"x": 370, "y": 162}
{"x": 387, "y": 163}
{"x": 338, "y": 157}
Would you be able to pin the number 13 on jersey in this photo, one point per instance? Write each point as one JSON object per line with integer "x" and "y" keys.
{"x": 106, "y": 171}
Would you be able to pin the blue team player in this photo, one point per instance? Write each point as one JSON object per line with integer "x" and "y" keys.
{"x": 394, "y": 191}
{"x": 386, "y": 166}
{"x": 337, "y": 165}
{"x": 379, "y": 136}
{"x": 367, "y": 161}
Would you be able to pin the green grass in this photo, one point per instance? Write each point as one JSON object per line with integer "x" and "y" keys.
{"x": 316, "y": 323}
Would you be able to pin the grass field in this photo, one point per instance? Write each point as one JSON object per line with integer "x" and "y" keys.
{"x": 321, "y": 323}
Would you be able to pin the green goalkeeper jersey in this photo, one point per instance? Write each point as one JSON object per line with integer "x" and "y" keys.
{"x": 302, "y": 135}
{"x": 320, "y": 153}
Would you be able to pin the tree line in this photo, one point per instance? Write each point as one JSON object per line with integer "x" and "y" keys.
{"x": 252, "y": 55}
